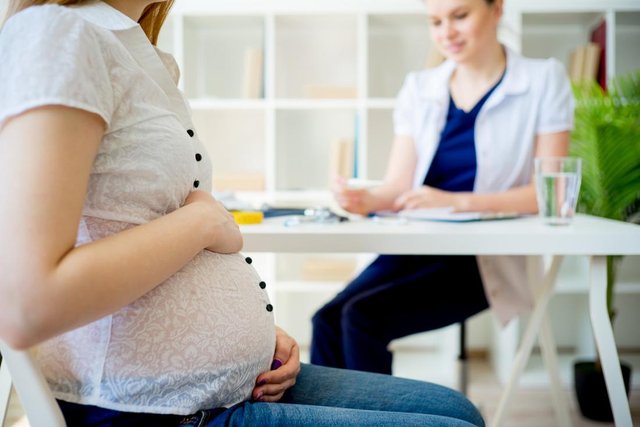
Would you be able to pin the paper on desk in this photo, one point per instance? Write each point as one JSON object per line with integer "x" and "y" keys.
{"x": 448, "y": 214}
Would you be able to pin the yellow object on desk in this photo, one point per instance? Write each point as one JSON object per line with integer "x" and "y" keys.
{"x": 247, "y": 217}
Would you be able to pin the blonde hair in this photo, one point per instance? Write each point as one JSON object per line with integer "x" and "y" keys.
{"x": 151, "y": 20}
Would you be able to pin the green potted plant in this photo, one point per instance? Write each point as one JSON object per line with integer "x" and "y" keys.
{"x": 607, "y": 138}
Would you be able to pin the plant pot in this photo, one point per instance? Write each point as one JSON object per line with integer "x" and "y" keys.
{"x": 591, "y": 390}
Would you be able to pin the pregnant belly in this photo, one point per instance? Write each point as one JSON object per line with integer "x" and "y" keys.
{"x": 206, "y": 333}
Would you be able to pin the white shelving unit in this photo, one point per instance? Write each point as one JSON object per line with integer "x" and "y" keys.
{"x": 331, "y": 70}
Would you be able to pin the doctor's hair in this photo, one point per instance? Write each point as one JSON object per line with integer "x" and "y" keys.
{"x": 151, "y": 20}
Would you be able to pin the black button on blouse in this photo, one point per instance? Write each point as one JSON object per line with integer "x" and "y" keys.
{"x": 196, "y": 183}
{"x": 198, "y": 157}
{"x": 191, "y": 132}
{"x": 262, "y": 285}
{"x": 269, "y": 307}
{"x": 248, "y": 260}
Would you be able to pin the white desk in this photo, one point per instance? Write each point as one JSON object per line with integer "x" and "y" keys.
{"x": 594, "y": 237}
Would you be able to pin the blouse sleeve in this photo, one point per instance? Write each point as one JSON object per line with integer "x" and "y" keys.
{"x": 404, "y": 108}
{"x": 557, "y": 104}
{"x": 51, "y": 56}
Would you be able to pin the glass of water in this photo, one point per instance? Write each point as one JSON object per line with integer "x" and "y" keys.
{"x": 557, "y": 188}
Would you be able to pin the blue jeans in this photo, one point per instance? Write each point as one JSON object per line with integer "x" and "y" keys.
{"x": 321, "y": 397}
{"x": 395, "y": 296}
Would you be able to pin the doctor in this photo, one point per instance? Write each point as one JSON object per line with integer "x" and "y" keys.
{"x": 466, "y": 133}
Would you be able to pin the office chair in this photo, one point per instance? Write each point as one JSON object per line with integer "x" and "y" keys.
{"x": 21, "y": 369}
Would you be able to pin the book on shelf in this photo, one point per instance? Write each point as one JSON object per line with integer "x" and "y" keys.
{"x": 341, "y": 158}
{"x": 584, "y": 61}
{"x": 599, "y": 37}
{"x": 576, "y": 63}
{"x": 591, "y": 62}
{"x": 253, "y": 75}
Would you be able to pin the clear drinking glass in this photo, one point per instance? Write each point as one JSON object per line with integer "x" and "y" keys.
{"x": 557, "y": 188}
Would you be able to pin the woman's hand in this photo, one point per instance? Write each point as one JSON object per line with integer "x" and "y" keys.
{"x": 225, "y": 233}
{"x": 429, "y": 197}
{"x": 358, "y": 201}
{"x": 271, "y": 385}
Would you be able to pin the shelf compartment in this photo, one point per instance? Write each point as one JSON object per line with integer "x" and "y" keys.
{"x": 223, "y": 56}
{"x": 546, "y": 35}
{"x": 397, "y": 44}
{"x": 235, "y": 140}
{"x": 627, "y": 47}
{"x": 315, "y": 56}
{"x": 380, "y": 131}
{"x": 303, "y": 145}
{"x": 316, "y": 268}
{"x": 293, "y": 310}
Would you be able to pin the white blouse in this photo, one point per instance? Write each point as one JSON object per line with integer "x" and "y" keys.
{"x": 198, "y": 340}
{"x": 533, "y": 99}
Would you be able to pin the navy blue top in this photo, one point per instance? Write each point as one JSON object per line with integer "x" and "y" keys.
{"x": 454, "y": 165}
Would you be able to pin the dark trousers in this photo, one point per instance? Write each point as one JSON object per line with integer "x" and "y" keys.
{"x": 394, "y": 297}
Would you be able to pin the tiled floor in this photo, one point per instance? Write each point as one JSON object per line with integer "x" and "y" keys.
{"x": 529, "y": 407}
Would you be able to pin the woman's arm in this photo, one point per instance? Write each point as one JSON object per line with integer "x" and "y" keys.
{"x": 47, "y": 286}
{"x": 519, "y": 199}
{"x": 398, "y": 178}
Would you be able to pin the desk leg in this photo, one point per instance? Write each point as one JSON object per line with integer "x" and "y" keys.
{"x": 605, "y": 342}
{"x": 550, "y": 356}
{"x": 545, "y": 291}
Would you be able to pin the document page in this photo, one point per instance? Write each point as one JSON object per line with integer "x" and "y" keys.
{"x": 447, "y": 214}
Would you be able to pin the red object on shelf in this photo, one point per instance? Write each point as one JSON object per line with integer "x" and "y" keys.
{"x": 599, "y": 36}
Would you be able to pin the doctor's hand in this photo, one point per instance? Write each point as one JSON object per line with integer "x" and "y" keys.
{"x": 225, "y": 233}
{"x": 271, "y": 385}
{"x": 358, "y": 201}
{"x": 429, "y": 197}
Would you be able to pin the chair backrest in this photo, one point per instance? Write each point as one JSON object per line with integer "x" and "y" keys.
{"x": 39, "y": 405}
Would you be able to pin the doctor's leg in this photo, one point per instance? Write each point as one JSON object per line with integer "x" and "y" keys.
{"x": 326, "y": 344}
{"x": 447, "y": 290}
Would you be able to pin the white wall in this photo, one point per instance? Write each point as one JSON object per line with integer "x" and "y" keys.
{"x": 3, "y": 6}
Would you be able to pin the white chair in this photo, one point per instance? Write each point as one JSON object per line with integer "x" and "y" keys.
{"x": 21, "y": 369}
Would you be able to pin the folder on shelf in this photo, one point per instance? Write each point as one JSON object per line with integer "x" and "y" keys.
{"x": 238, "y": 182}
{"x": 341, "y": 158}
{"x": 591, "y": 62}
{"x": 329, "y": 92}
{"x": 576, "y": 63}
{"x": 253, "y": 60}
